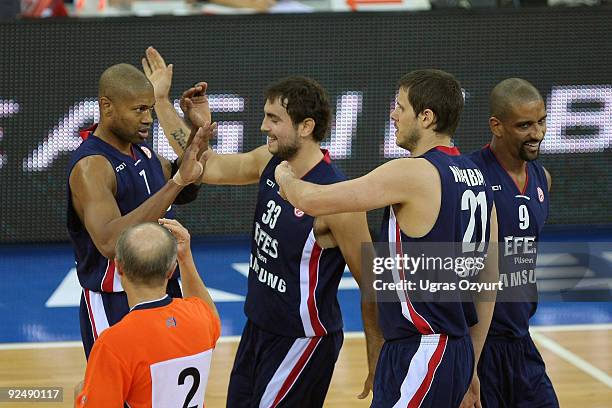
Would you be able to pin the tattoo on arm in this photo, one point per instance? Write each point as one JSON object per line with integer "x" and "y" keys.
{"x": 180, "y": 137}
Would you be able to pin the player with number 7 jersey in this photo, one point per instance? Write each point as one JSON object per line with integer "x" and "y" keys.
{"x": 115, "y": 180}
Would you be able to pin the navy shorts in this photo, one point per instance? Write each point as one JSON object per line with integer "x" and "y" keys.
{"x": 100, "y": 310}
{"x": 431, "y": 371}
{"x": 512, "y": 374}
{"x": 277, "y": 371}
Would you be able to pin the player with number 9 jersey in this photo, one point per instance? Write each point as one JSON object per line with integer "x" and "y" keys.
{"x": 511, "y": 370}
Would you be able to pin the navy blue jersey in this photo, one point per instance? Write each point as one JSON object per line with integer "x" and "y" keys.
{"x": 466, "y": 204}
{"x": 293, "y": 282}
{"x": 138, "y": 177}
{"x": 520, "y": 218}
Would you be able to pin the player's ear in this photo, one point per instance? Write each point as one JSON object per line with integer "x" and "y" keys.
{"x": 307, "y": 126}
{"x": 427, "y": 118}
{"x": 171, "y": 270}
{"x": 495, "y": 125}
{"x": 106, "y": 106}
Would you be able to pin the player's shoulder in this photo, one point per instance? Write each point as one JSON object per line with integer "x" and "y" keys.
{"x": 193, "y": 303}
{"x": 91, "y": 167}
{"x": 335, "y": 174}
{"x": 202, "y": 311}
{"x": 478, "y": 154}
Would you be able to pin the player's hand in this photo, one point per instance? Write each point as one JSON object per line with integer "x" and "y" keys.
{"x": 367, "y": 386}
{"x": 158, "y": 73}
{"x": 194, "y": 159}
{"x": 183, "y": 239}
{"x": 472, "y": 396}
{"x": 283, "y": 173}
{"x": 194, "y": 103}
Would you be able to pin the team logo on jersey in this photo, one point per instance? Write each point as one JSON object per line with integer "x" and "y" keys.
{"x": 147, "y": 151}
{"x": 298, "y": 213}
{"x": 171, "y": 322}
{"x": 540, "y": 195}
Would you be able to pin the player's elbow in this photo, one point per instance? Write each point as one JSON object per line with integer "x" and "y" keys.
{"x": 107, "y": 248}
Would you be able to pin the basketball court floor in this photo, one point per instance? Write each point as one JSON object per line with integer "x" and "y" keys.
{"x": 40, "y": 341}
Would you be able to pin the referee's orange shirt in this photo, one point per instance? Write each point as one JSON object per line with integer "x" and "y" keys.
{"x": 157, "y": 356}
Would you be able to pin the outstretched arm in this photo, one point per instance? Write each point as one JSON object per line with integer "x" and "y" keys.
{"x": 176, "y": 130}
{"x": 391, "y": 183}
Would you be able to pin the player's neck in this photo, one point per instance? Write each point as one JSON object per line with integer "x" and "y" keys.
{"x": 306, "y": 158}
{"x": 109, "y": 137}
{"x": 144, "y": 294}
{"x": 513, "y": 165}
{"x": 429, "y": 142}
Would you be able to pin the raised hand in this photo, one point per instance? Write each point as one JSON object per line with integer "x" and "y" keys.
{"x": 194, "y": 103}
{"x": 193, "y": 162}
{"x": 158, "y": 73}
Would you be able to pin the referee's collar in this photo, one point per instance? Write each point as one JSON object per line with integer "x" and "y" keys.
{"x": 152, "y": 304}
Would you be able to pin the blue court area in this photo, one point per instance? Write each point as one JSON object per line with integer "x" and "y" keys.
{"x": 39, "y": 291}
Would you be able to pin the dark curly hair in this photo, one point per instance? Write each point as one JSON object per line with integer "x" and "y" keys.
{"x": 303, "y": 98}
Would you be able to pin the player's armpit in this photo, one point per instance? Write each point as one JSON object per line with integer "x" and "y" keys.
{"x": 236, "y": 169}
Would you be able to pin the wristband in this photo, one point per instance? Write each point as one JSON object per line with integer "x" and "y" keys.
{"x": 179, "y": 180}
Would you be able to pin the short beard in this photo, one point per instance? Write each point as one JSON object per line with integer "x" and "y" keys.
{"x": 525, "y": 156}
{"x": 411, "y": 141}
{"x": 287, "y": 152}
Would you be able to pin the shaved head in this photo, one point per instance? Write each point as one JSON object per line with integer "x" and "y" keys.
{"x": 122, "y": 80}
{"x": 510, "y": 93}
{"x": 146, "y": 253}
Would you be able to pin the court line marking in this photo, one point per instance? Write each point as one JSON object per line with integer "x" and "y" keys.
{"x": 572, "y": 358}
{"x": 571, "y": 327}
{"x": 347, "y": 335}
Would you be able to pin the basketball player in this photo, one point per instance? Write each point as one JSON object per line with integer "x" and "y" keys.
{"x": 428, "y": 358}
{"x": 159, "y": 354}
{"x": 115, "y": 181}
{"x": 511, "y": 371}
{"x": 293, "y": 335}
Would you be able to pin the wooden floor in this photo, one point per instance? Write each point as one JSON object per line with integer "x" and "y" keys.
{"x": 565, "y": 353}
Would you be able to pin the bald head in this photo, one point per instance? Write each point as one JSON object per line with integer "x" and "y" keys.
{"x": 146, "y": 253}
{"x": 510, "y": 93}
{"x": 122, "y": 80}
